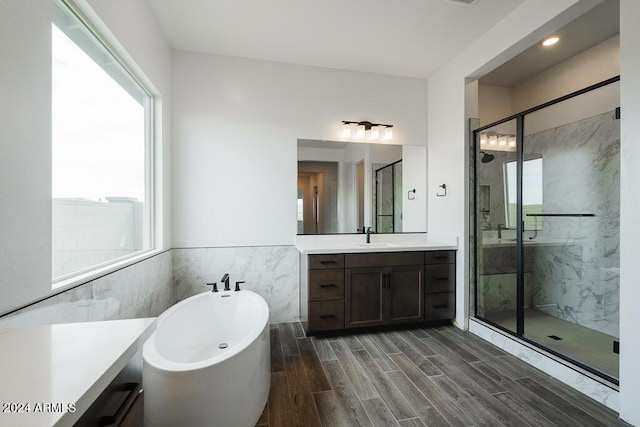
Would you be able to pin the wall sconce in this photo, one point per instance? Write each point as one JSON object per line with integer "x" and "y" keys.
{"x": 372, "y": 131}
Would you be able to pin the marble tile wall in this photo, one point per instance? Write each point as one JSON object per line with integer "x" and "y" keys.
{"x": 581, "y": 174}
{"x": 272, "y": 272}
{"x": 144, "y": 289}
{"x": 574, "y": 262}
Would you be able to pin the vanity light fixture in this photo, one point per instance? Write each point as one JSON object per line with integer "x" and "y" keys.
{"x": 497, "y": 141}
{"x": 346, "y": 130}
{"x": 550, "y": 41}
{"x": 373, "y": 131}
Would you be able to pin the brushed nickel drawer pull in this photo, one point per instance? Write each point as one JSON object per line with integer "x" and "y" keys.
{"x": 328, "y": 285}
{"x": 439, "y": 306}
{"x": 327, "y": 316}
{"x": 327, "y": 262}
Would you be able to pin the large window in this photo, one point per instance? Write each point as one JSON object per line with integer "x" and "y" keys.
{"x": 101, "y": 151}
{"x": 531, "y": 193}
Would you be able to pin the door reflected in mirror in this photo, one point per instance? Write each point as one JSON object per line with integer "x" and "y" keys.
{"x": 346, "y": 187}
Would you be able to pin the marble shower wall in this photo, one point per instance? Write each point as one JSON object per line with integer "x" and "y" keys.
{"x": 144, "y": 289}
{"x": 272, "y": 272}
{"x": 573, "y": 262}
{"x": 579, "y": 281}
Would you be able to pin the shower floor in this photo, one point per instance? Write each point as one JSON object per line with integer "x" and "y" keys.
{"x": 585, "y": 345}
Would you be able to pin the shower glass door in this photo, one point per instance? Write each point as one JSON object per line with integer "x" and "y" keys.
{"x": 388, "y": 198}
{"x": 571, "y": 236}
{"x": 546, "y": 221}
{"x": 496, "y": 254}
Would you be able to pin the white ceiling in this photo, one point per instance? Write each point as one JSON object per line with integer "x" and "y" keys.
{"x": 410, "y": 38}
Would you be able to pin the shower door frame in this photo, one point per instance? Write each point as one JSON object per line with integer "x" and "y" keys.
{"x": 520, "y": 285}
{"x": 393, "y": 196}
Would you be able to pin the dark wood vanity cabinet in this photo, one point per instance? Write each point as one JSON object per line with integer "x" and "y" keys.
{"x": 357, "y": 290}
{"x": 326, "y": 292}
{"x": 440, "y": 285}
{"x": 382, "y": 289}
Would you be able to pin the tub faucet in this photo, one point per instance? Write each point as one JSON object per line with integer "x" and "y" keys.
{"x": 225, "y": 280}
{"x": 500, "y": 228}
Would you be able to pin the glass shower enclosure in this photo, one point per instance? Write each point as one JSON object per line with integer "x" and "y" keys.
{"x": 388, "y": 198}
{"x": 546, "y": 207}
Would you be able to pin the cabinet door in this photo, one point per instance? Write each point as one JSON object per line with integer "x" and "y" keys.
{"x": 405, "y": 287}
{"x": 364, "y": 297}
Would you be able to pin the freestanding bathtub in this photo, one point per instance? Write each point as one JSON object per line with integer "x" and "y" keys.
{"x": 208, "y": 362}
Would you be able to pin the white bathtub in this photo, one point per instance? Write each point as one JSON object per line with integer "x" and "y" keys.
{"x": 190, "y": 381}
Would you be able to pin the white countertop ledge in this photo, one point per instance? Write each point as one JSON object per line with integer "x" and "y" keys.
{"x": 64, "y": 364}
{"x": 324, "y": 247}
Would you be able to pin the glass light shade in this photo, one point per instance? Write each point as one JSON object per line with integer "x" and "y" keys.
{"x": 346, "y": 130}
{"x": 360, "y": 131}
{"x": 511, "y": 141}
{"x": 502, "y": 141}
{"x": 493, "y": 140}
{"x": 374, "y": 133}
{"x": 483, "y": 139}
{"x": 388, "y": 133}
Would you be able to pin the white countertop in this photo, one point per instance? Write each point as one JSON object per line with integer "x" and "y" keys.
{"x": 67, "y": 364}
{"x": 326, "y": 247}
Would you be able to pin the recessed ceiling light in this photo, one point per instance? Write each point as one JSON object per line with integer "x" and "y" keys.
{"x": 550, "y": 41}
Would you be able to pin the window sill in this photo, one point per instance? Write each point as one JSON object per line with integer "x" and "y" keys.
{"x": 62, "y": 285}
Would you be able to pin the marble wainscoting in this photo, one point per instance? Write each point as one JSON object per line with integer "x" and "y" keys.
{"x": 144, "y": 289}
{"x": 270, "y": 271}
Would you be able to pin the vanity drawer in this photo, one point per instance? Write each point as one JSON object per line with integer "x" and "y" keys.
{"x": 441, "y": 306}
{"x": 439, "y": 278}
{"x": 326, "y": 261}
{"x": 326, "y": 285}
{"x": 440, "y": 257}
{"x": 383, "y": 259}
{"x": 326, "y": 315}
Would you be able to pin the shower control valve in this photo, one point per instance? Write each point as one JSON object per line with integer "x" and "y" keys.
{"x": 238, "y": 286}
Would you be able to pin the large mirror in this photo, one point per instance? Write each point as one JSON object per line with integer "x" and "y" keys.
{"x": 347, "y": 187}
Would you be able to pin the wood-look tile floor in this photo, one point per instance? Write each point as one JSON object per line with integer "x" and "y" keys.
{"x": 419, "y": 377}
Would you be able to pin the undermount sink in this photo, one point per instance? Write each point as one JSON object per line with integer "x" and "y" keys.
{"x": 378, "y": 245}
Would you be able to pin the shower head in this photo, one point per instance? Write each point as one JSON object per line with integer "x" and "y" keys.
{"x": 486, "y": 158}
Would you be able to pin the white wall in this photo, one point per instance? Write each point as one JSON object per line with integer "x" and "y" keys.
{"x": 448, "y": 159}
{"x": 25, "y": 151}
{"x": 629, "y": 211}
{"x": 494, "y": 103}
{"x": 414, "y": 177}
{"x": 235, "y": 119}
{"x": 25, "y": 129}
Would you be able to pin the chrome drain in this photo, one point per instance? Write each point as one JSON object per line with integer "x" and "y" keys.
{"x": 223, "y": 345}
